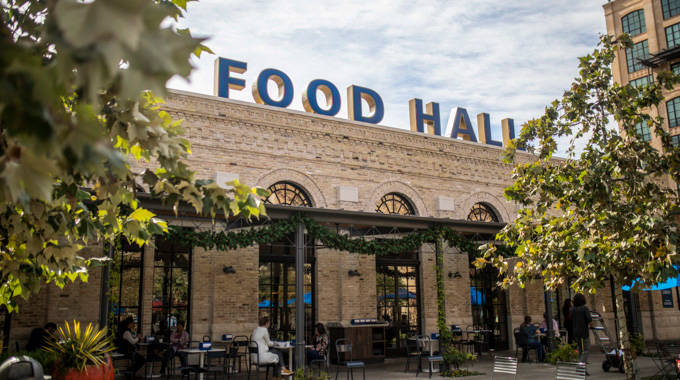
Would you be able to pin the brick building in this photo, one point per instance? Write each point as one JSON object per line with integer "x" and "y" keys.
{"x": 341, "y": 169}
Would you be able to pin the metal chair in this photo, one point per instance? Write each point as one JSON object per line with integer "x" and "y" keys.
{"x": 253, "y": 350}
{"x": 343, "y": 347}
{"x": 207, "y": 338}
{"x": 217, "y": 362}
{"x": 522, "y": 340}
{"x": 182, "y": 367}
{"x": 241, "y": 344}
{"x": 570, "y": 371}
{"x": 411, "y": 350}
{"x": 506, "y": 365}
{"x": 324, "y": 360}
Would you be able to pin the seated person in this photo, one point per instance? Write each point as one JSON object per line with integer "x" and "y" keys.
{"x": 125, "y": 344}
{"x": 179, "y": 339}
{"x": 320, "y": 344}
{"x": 530, "y": 330}
{"x": 544, "y": 325}
{"x": 40, "y": 336}
{"x": 261, "y": 337}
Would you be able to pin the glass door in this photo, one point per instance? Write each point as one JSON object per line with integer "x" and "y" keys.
{"x": 489, "y": 305}
{"x": 398, "y": 304}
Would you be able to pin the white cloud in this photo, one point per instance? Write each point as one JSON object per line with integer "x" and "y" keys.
{"x": 505, "y": 58}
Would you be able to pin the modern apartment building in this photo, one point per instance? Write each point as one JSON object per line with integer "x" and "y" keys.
{"x": 654, "y": 26}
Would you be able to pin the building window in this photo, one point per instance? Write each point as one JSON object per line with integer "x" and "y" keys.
{"x": 670, "y": 8}
{"x": 126, "y": 294}
{"x": 286, "y": 193}
{"x": 673, "y": 107}
{"x": 482, "y": 213}
{"x": 639, "y": 51}
{"x": 394, "y": 203}
{"x": 673, "y": 35}
{"x": 675, "y": 68}
{"x": 643, "y": 130}
{"x": 641, "y": 82}
{"x": 634, "y": 23}
{"x": 171, "y": 280}
{"x": 276, "y": 284}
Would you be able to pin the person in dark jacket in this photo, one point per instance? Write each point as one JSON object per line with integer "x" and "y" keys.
{"x": 582, "y": 323}
{"x": 40, "y": 336}
{"x": 125, "y": 344}
{"x": 567, "y": 320}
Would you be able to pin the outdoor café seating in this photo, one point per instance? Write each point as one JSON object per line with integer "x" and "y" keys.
{"x": 343, "y": 348}
{"x": 570, "y": 371}
{"x": 253, "y": 351}
{"x": 522, "y": 341}
{"x": 412, "y": 350}
{"x": 504, "y": 365}
{"x": 175, "y": 364}
{"x": 666, "y": 353}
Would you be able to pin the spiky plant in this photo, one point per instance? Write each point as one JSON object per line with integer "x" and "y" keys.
{"x": 78, "y": 348}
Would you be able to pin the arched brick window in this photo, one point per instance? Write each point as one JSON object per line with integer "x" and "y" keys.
{"x": 394, "y": 203}
{"x": 286, "y": 193}
{"x": 482, "y": 213}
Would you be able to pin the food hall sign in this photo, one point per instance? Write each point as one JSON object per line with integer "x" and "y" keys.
{"x": 458, "y": 125}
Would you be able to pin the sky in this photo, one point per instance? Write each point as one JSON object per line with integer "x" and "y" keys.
{"x": 505, "y": 58}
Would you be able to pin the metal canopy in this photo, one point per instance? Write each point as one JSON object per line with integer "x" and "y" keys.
{"x": 341, "y": 219}
{"x": 661, "y": 56}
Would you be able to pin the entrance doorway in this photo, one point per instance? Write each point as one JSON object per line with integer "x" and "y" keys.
{"x": 398, "y": 303}
{"x": 489, "y": 305}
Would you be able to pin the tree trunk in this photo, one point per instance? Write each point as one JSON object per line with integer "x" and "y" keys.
{"x": 623, "y": 336}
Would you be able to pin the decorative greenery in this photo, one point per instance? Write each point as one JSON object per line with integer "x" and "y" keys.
{"x": 608, "y": 211}
{"x": 230, "y": 240}
{"x": 461, "y": 373}
{"x": 79, "y": 123}
{"x": 301, "y": 374}
{"x": 638, "y": 346}
{"x": 456, "y": 358}
{"x": 562, "y": 353}
{"x": 77, "y": 348}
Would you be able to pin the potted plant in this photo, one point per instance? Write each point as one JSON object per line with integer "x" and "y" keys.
{"x": 81, "y": 354}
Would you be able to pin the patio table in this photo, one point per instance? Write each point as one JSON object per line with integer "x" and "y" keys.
{"x": 290, "y": 349}
{"x": 485, "y": 332}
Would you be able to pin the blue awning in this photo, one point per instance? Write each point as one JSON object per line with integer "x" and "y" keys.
{"x": 401, "y": 294}
{"x": 307, "y": 299}
{"x": 669, "y": 284}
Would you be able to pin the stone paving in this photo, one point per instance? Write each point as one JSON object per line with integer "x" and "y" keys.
{"x": 393, "y": 369}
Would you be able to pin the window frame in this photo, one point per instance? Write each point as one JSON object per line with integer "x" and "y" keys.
{"x": 633, "y": 57}
{"x": 636, "y": 18}
{"x": 479, "y": 208}
{"x": 174, "y": 249}
{"x": 675, "y": 33}
{"x": 673, "y": 104}
{"x": 669, "y": 12}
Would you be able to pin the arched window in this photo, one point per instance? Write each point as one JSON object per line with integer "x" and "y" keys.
{"x": 286, "y": 193}
{"x": 394, "y": 203}
{"x": 482, "y": 213}
{"x": 634, "y": 23}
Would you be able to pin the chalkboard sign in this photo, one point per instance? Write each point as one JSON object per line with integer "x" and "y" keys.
{"x": 667, "y": 298}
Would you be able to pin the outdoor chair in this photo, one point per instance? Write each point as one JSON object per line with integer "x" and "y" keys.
{"x": 522, "y": 341}
{"x": 156, "y": 353}
{"x": 241, "y": 344}
{"x": 124, "y": 364}
{"x": 217, "y": 362}
{"x": 481, "y": 340}
{"x": 570, "y": 371}
{"x": 411, "y": 350}
{"x": 665, "y": 359}
{"x": 323, "y": 361}
{"x": 343, "y": 348}
{"x": 173, "y": 366}
{"x": 207, "y": 338}
{"x": 253, "y": 352}
{"x": 507, "y": 365}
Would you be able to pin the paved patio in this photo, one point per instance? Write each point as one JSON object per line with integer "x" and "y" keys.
{"x": 393, "y": 369}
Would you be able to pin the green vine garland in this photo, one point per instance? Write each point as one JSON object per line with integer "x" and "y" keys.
{"x": 224, "y": 241}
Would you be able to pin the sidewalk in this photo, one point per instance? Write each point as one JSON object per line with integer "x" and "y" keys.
{"x": 393, "y": 369}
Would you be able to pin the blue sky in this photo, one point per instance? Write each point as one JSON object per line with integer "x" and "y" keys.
{"x": 505, "y": 58}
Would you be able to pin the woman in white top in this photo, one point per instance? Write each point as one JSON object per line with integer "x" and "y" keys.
{"x": 261, "y": 337}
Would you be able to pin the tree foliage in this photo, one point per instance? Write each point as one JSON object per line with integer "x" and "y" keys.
{"x": 78, "y": 111}
{"x": 608, "y": 210}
